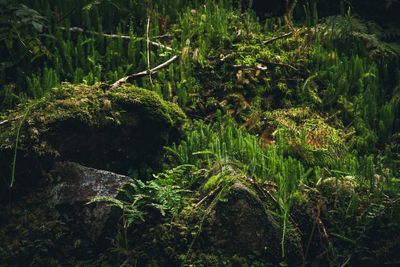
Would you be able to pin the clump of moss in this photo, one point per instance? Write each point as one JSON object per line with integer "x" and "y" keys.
{"x": 306, "y": 134}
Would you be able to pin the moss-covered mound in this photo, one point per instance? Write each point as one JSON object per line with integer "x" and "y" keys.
{"x": 118, "y": 130}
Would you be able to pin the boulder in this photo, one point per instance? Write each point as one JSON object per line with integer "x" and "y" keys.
{"x": 121, "y": 129}
{"x": 75, "y": 186}
{"x": 240, "y": 224}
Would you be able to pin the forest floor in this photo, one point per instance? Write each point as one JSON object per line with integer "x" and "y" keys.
{"x": 253, "y": 142}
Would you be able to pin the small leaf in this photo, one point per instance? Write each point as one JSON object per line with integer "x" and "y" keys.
{"x": 37, "y": 26}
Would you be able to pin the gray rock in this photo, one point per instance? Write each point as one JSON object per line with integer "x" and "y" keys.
{"x": 76, "y": 186}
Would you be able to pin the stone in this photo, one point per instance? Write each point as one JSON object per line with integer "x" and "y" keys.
{"x": 240, "y": 224}
{"x": 75, "y": 186}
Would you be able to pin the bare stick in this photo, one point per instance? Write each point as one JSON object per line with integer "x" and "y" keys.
{"x": 148, "y": 48}
{"x": 7, "y": 121}
{"x": 143, "y": 73}
{"x": 278, "y": 38}
{"x": 108, "y": 35}
{"x": 207, "y": 196}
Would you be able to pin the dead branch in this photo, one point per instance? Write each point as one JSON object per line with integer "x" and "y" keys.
{"x": 108, "y": 35}
{"x": 148, "y": 48}
{"x": 7, "y": 121}
{"x": 208, "y": 196}
{"x": 163, "y": 36}
{"x": 278, "y": 38}
{"x": 143, "y": 73}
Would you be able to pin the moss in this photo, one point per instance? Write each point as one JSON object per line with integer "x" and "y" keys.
{"x": 306, "y": 134}
{"x": 149, "y": 102}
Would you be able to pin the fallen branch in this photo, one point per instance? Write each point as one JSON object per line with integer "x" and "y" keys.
{"x": 7, "y": 121}
{"x": 207, "y": 196}
{"x": 278, "y": 38}
{"x": 108, "y": 35}
{"x": 148, "y": 48}
{"x": 143, "y": 73}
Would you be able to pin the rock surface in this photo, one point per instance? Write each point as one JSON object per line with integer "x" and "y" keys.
{"x": 76, "y": 186}
{"x": 241, "y": 225}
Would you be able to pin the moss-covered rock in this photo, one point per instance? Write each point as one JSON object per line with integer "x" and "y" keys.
{"x": 117, "y": 130}
{"x": 240, "y": 224}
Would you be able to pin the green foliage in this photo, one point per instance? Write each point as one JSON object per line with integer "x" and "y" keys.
{"x": 226, "y": 144}
{"x": 356, "y": 85}
{"x": 308, "y": 136}
{"x": 344, "y": 147}
{"x": 221, "y": 143}
{"x": 138, "y": 198}
{"x": 20, "y": 26}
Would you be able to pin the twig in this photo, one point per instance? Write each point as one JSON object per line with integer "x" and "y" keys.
{"x": 7, "y": 121}
{"x": 163, "y": 36}
{"x": 109, "y": 35}
{"x": 126, "y": 262}
{"x": 346, "y": 262}
{"x": 143, "y": 73}
{"x": 265, "y": 192}
{"x": 278, "y": 38}
{"x": 207, "y": 196}
{"x": 148, "y": 48}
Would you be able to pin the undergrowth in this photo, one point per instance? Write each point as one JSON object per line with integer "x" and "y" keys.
{"x": 312, "y": 111}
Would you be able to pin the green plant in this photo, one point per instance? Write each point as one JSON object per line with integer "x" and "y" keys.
{"x": 137, "y": 196}
{"x": 20, "y": 26}
{"x": 14, "y": 161}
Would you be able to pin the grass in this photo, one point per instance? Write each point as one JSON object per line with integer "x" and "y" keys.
{"x": 225, "y": 144}
{"x": 17, "y": 138}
